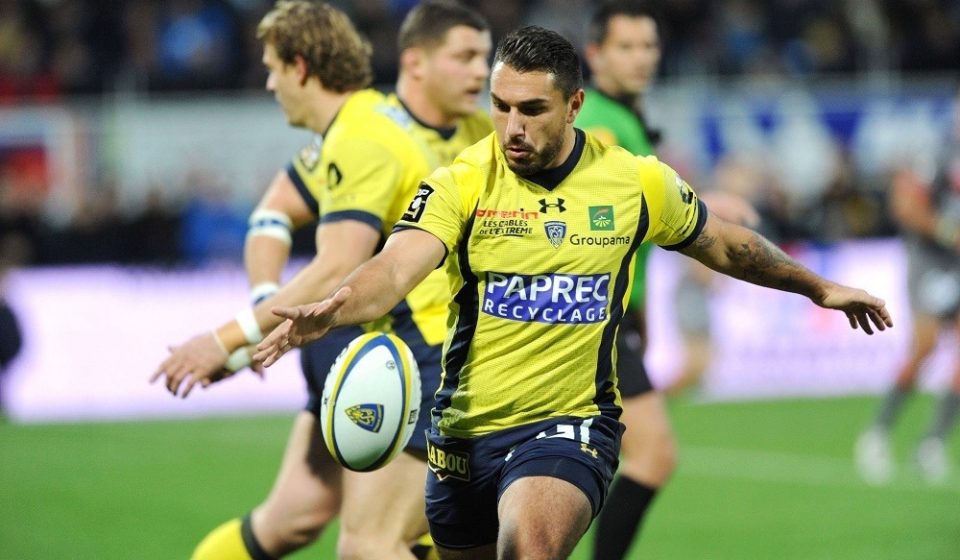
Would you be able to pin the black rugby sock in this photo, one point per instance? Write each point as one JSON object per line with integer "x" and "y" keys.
{"x": 620, "y": 519}
{"x": 890, "y": 408}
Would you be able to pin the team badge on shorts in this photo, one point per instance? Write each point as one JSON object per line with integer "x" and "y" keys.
{"x": 556, "y": 231}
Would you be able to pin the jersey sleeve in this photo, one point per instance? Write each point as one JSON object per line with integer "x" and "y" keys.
{"x": 603, "y": 133}
{"x": 677, "y": 215}
{"x": 361, "y": 178}
{"x": 303, "y": 171}
{"x": 438, "y": 208}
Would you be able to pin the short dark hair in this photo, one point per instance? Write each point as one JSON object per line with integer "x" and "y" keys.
{"x": 427, "y": 24}
{"x": 535, "y": 49}
{"x": 600, "y": 21}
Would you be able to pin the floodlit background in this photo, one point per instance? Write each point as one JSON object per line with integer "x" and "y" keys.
{"x": 135, "y": 138}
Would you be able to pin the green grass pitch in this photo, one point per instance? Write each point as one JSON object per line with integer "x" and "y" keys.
{"x": 757, "y": 480}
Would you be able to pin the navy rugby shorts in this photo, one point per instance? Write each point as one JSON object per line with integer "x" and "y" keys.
{"x": 468, "y": 476}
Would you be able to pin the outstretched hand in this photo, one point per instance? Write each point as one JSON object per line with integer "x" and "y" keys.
{"x": 862, "y": 309}
{"x": 304, "y": 324}
{"x": 201, "y": 360}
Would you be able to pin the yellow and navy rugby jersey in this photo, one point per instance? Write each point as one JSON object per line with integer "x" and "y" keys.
{"x": 367, "y": 167}
{"x": 542, "y": 272}
{"x": 445, "y": 144}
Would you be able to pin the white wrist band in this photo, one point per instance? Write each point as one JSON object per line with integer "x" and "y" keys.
{"x": 262, "y": 291}
{"x": 238, "y": 360}
{"x": 248, "y": 324}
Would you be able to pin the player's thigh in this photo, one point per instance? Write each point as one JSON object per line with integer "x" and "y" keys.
{"x": 387, "y": 503}
{"x": 309, "y": 481}
{"x": 541, "y": 516}
{"x": 648, "y": 446}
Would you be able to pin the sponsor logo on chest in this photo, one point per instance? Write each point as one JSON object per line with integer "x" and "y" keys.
{"x": 505, "y": 223}
{"x": 547, "y": 298}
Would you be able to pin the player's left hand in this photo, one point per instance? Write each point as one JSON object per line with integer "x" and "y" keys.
{"x": 862, "y": 309}
{"x": 199, "y": 360}
{"x": 304, "y": 324}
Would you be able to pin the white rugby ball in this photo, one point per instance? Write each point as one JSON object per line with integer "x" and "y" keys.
{"x": 371, "y": 400}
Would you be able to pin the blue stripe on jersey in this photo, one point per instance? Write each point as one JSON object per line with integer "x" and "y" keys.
{"x": 404, "y": 325}
{"x": 701, "y": 221}
{"x": 356, "y": 215}
{"x": 605, "y": 399}
{"x": 302, "y": 189}
{"x": 468, "y": 302}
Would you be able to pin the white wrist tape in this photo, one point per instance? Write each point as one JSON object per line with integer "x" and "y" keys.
{"x": 240, "y": 359}
{"x": 270, "y": 223}
{"x": 248, "y": 324}
{"x": 262, "y": 291}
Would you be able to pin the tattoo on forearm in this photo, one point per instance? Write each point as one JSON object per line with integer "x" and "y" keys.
{"x": 761, "y": 262}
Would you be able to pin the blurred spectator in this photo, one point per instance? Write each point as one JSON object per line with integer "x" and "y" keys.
{"x": 153, "y": 231}
{"x": 52, "y": 49}
{"x": 846, "y": 209}
{"x": 212, "y": 228}
{"x": 197, "y": 45}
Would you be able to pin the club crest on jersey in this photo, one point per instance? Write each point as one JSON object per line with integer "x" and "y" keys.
{"x": 310, "y": 155}
{"x": 556, "y": 231}
{"x": 368, "y": 416}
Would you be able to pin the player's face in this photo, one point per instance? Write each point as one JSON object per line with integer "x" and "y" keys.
{"x": 627, "y": 59}
{"x": 531, "y": 116}
{"x": 456, "y": 70}
{"x": 285, "y": 82}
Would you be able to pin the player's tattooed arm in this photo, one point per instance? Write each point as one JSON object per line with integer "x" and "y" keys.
{"x": 745, "y": 254}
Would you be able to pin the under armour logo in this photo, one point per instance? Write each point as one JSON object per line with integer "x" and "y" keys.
{"x": 544, "y": 205}
{"x": 588, "y": 450}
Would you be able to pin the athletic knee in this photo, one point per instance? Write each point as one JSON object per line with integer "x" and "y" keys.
{"x": 653, "y": 461}
{"x": 513, "y": 547}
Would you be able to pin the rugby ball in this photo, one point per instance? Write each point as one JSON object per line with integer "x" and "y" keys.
{"x": 371, "y": 400}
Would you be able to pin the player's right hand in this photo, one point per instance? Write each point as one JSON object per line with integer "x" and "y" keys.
{"x": 304, "y": 324}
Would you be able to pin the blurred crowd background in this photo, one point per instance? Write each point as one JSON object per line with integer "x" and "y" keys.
{"x": 115, "y": 116}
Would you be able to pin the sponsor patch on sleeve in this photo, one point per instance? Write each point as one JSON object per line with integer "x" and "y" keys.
{"x": 418, "y": 204}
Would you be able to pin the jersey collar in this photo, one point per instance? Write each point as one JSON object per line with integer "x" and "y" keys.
{"x": 445, "y": 133}
{"x": 550, "y": 178}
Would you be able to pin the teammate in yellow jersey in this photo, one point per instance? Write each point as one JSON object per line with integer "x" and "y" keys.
{"x": 358, "y": 179}
{"x": 544, "y": 220}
